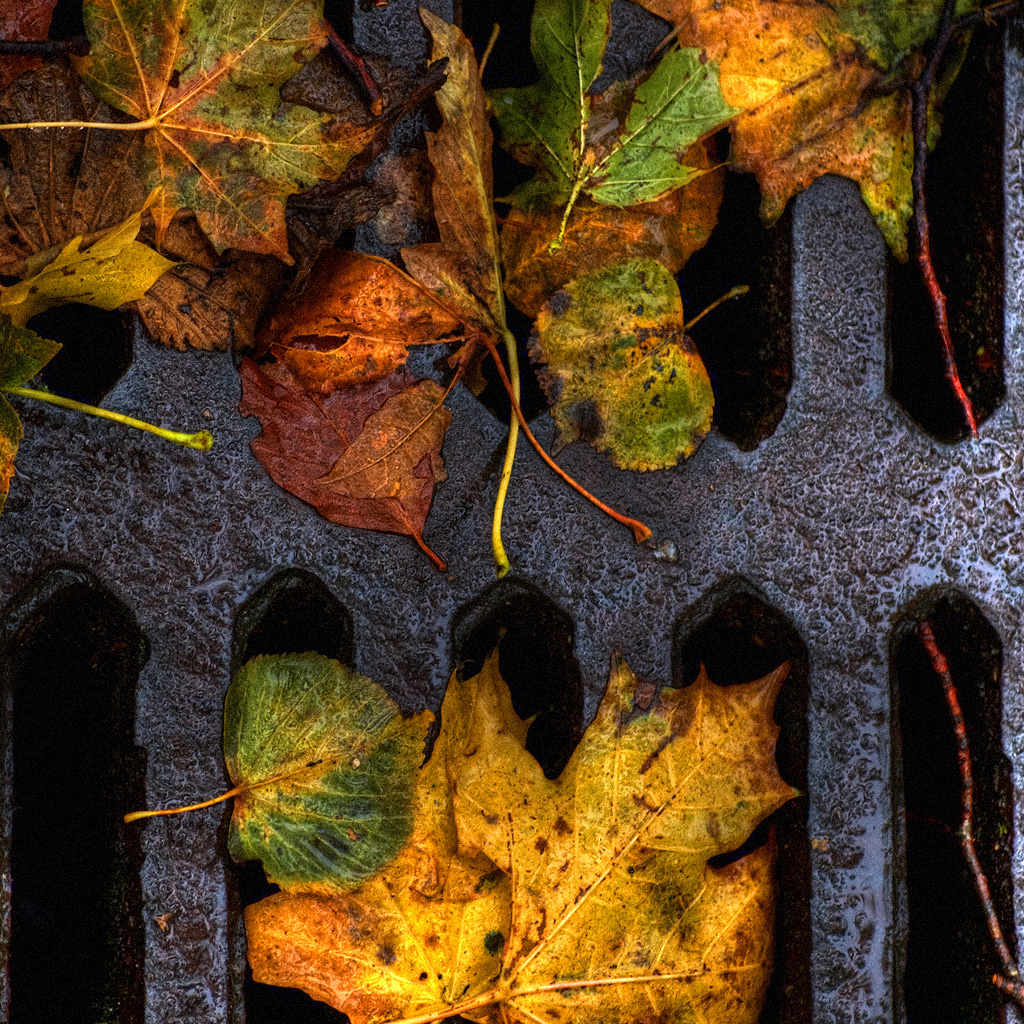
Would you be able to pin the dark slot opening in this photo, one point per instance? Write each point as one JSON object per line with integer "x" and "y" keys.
{"x": 74, "y": 653}
{"x": 97, "y": 350}
{"x": 292, "y": 612}
{"x": 535, "y": 659}
{"x": 739, "y": 637}
{"x": 965, "y": 211}
{"x": 949, "y": 959}
{"x": 67, "y": 20}
{"x": 746, "y": 343}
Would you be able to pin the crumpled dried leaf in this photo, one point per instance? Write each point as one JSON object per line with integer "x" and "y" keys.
{"x": 113, "y": 270}
{"x": 614, "y": 916}
{"x": 634, "y": 157}
{"x": 22, "y": 355}
{"x": 366, "y": 455}
{"x": 56, "y": 184}
{"x": 321, "y": 761}
{"x": 805, "y": 76}
{"x": 203, "y": 82}
{"x": 669, "y": 230}
{"x": 353, "y": 320}
{"x": 27, "y": 20}
{"x": 619, "y": 369}
{"x": 207, "y": 301}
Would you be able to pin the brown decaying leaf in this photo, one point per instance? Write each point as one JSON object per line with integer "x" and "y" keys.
{"x": 23, "y": 19}
{"x": 54, "y": 184}
{"x": 207, "y": 301}
{"x": 669, "y": 230}
{"x": 352, "y": 322}
{"x": 366, "y": 456}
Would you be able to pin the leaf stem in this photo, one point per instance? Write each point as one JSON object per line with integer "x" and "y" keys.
{"x": 500, "y": 557}
{"x": 114, "y": 126}
{"x": 487, "y": 52}
{"x": 78, "y": 45}
{"x": 201, "y": 441}
{"x": 138, "y": 815}
{"x": 732, "y": 293}
{"x": 575, "y": 194}
{"x": 640, "y": 531}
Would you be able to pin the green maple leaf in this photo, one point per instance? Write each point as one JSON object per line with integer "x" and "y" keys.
{"x": 620, "y": 149}
{"x": 203, "y": 80}
{"x": 22, "y": 355}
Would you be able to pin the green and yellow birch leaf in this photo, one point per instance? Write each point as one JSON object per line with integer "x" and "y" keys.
{"x": 587, "y": 898}
{"x": 22, "y": 355}
{"x": 423, "y": 935}
{"x": 618, "y": 367}
{"x": 322, "y": 762}
{"x": 203, "y": 80}
{"x": 552, "y": 127}
{"x": 113, "y": 270}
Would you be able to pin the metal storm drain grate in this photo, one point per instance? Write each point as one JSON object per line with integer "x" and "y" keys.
{"x": 134, "y": 580}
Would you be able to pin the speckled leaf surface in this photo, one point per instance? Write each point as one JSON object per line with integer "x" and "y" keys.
{"x": 323, "y": 761}
{"x": 619, "y": 369}
{"x": 204, "y": 79}
{"x": 22, "y": 355}
{"x": 584, "y": 898}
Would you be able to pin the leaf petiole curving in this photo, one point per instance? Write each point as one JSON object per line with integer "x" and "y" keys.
{"x": 201, "y": 440}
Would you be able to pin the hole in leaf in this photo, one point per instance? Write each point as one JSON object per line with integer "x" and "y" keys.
{"x": 535, "y": 660}
{"x": 73, "y": 657}
{"x": 965, "y": 212}
{"x": 746, "y": 343}
{"x": 948, "y": 958}
{"x": 292, "y": 612}
{"x": 97, "y": 350}
{"x": 739, "y": 637}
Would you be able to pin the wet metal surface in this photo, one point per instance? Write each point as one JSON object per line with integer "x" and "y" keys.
{"x": 837, "y": 520}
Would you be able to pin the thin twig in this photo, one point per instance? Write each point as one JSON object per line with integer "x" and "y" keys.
{"x": 1008, "y": 982}
{"x": 357, "y": 66}
{"x": 920, "y": 93}
{"x": 78, "y": 45}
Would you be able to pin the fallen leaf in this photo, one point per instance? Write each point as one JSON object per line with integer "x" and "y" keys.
{"x": 22, "y": 355}
{"x": 206, "y": 301}
{"x": 619, "y": 369}
{"x": 603, "y": 908}
{"x": 352, "y": 321}
{"x": 621, "y": 151}
{"x": 822, "y": 89}
{"x": 57, "y": 184}
{"x": 113, "y": 270}
{"x": 366, "y": 456}
{"x": 669, "y": 230}
{"x": 464, "y": 268}
{"x": 27, "y": 20}
{"x": 204, "y": 84}
{"x": 321, "y": 761}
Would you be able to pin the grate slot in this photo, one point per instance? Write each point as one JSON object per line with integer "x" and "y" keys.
{"x": 74, "y": 655}
{"x": 949, "y": 958}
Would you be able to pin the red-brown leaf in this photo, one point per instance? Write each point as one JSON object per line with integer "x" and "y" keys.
{"x": 366, "y": 456}
{"x": 27, "y": 20}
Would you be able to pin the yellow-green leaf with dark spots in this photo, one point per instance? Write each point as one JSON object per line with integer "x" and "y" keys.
{"x": 619, "y": 369}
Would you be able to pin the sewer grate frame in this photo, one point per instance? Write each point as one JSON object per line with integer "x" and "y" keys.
{"x": 868, "y": 513}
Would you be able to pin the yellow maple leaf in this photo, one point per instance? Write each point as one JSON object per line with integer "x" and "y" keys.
{"x": 521, "y": 899}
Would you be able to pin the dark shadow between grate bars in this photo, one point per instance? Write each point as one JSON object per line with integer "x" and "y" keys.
{"x": 943, "y": 976}
{"x": 72, "y": 660}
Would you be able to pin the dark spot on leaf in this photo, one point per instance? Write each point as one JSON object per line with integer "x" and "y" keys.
{"x": 559, "y": 302}
{"x": 174, "y": 79}
{"x": 491, "y": 819}
{"x": 562, "y": 827}
{"x": 423, "y": 975}
{"x": 541, "y": 844}
{"x": 494, "y": 942}
{"x": 386, "y": 955}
